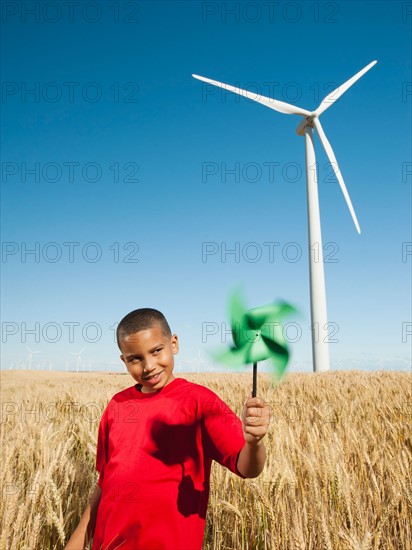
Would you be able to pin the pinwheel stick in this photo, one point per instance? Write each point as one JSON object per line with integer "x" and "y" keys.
{"x": 254, "y": 379}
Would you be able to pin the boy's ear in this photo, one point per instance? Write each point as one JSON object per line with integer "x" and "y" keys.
{"x": 175, "y": 344}
{"x": 122, "y": 358}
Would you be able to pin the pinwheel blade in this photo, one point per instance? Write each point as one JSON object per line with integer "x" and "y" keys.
{"x": 274, "y": 104}
{"x": 331, "y": 156}
{"x": 258, "y": 350}
{"x": 271, "y": 312}
{"x": 234, "y": 357}
{"x": 273, "y": 331}
{"x": 278, "y": 353}
{"x": 333, "y": 96}
{"x": 237, "y": 309}
{"x": 237, "y": 312}
{"x": 266, "y": 348}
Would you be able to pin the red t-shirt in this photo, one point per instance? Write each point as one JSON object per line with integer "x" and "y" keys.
{"x": 154, "y": 455}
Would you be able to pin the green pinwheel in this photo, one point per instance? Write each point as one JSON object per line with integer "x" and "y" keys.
{"x": 257, "y": 335}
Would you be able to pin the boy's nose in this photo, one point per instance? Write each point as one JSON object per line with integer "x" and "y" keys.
{"x": 149, "y": 366}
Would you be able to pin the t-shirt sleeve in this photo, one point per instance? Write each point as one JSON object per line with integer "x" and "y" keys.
{"x": 223, "y": 432}
{"x": 102, "y": 448}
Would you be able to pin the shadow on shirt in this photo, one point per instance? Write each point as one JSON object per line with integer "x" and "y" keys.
{"x": 175, "y": 444}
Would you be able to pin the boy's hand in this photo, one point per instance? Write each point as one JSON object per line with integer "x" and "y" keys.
{"x": 255, "y": 419}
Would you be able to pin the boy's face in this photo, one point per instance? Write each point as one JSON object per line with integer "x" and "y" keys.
{"x": 148, "y": 356}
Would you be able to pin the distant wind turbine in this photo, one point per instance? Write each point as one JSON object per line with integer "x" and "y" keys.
{"x": 79, "y": 358}
{"x": 199, "y": 361}
{"x": 30, "y": 357}
{"x": 320, "y": 346}
{"x": 194, "y": 363}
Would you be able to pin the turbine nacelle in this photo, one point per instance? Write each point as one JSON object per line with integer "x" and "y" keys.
{"x": 307, "y": 121}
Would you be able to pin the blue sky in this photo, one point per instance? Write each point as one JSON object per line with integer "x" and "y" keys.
{"x": 131, "y": 182}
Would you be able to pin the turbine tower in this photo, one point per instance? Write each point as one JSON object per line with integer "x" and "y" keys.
{"x": 320, "y": 346}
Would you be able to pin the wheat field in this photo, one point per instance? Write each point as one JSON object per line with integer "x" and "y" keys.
{"x": 337, "y": 476}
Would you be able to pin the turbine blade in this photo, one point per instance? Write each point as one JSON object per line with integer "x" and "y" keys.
{"x": 274, "y": 104}
{"x": 332, "y": 158}
{"x": 333, "y": 96}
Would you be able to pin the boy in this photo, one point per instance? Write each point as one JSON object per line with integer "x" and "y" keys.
{"x": 156, "y": 443}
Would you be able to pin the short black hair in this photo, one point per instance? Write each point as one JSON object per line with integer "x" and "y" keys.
{"x": 141, "y": 319}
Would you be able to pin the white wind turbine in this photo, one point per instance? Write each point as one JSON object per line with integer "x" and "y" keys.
{"x": 320, "y": 348}
{"x": 30, "y": 357}
{"x": 194, "y": 364}
{"x": 197, "y": 362}
{"x": 79, "y": 358}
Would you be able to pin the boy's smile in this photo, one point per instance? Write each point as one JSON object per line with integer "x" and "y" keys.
{"x": 148, "y": 356}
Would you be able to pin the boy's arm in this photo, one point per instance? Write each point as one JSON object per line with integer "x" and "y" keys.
{"x": 85, "y": 529}
{"x": 255, "y": 420}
